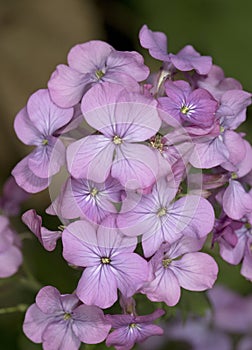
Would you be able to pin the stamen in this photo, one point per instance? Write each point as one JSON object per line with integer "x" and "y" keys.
{"x": 94, "y": 191}
{"x": 184, "y": 109}
{"x": 117, "y": 140}
{"x": 162, "y": 211}
{"x": 45, "y": 142}
{"x": 234, "y": 176}
{"x": 133, "y": 325}
{"x": 166, "y": 262}
{"x": 105, "y": 260}
{"x": 156, "y": 142}
{"x": 67, "y": 316}
{"x": 99, "y": 74}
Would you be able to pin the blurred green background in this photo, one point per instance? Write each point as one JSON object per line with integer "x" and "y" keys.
{"x": 35, "y": 36}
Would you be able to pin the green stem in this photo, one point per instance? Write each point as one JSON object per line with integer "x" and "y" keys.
{"x": 30, "y": 281}
{"x": 17, "y": 308}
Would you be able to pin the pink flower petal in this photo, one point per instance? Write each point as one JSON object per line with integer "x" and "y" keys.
{"x": 27, "y": 180}
{"x": 46, "y": 116}
{"x": 91, "y": 158}
{"x": 135, "y": 166}
{"x": 98, "y": 286}
{"x": 195, "y": 271}
{"x": 67, "y": 86}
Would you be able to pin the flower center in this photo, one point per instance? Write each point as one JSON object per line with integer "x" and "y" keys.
{"x": 184, "y": 109}
{"x": 156, "y": 142}
{"x": 117, "y": 140}
{"x": 94, "y": 191}
{"x": 248, "y": 226}
{"x": 45, "y": 142}
{"x": 105, "y": 260}
{"x": 166, "y": 262}
{"x": 99, "y": 74}
{"x": 162, "y": 211}
{"x": 234, "y": 176}
{"x": 67, "y": 316}
{"x": 133, "y": 325}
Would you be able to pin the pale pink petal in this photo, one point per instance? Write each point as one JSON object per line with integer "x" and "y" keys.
{"x": 195, "y": 271}
{"x": 46, "y": 116}
{"x": 236, "y": 148}
{"x": 131, "y": 272}
{"x": 88, "y": 57}
{"x": 90, "y": 325}
{"x": 165, "y": 287}
{"x": 236, "y": 201}
{"x": 59, "y": 336}
{"x": 48, "y": 300}
{"x": 10, "y": 260}
{"x": 98, "y": 286}
{"x": 27, "y": 180}
{"x": 35, "y": 323}
{"x": 234, "y": 255}
{"x": 46, "y": 160}
{"x": 25, "y": 129}
{"x": 67, "y": 86}
{"x": 135, "y": 166}
{"x": 209, "y": 153}
{"x": 80, "y": 245}
{"x": 246, "y": 269}
{"x": 191, "y": 215}
{"x": 155, "y": 42}
{"x": 91, "y": 158}
{"x": 129, "y": 63}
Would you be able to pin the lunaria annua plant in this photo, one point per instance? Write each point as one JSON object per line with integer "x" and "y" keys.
{"x": 154, "y": 168}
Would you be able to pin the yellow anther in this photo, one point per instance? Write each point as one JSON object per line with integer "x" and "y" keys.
{"x": 117, "y": 140}
{"x": 105, "y": 260}
{"x": 99, "y": 74}
{"x": 67, "y": 315}
{"x": 45, "y": 142}
{"x": 184, "y": 109}
{"x": 166, "y": 262}
{"x": 161, "y": 212}
{"x": 94, "y": 192}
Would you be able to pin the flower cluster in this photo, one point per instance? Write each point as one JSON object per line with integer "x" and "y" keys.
{"x": 148, "y": 158}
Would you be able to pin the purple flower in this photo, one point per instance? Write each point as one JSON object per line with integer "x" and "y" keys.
{"x": 226, "y": 146}
{"x": 161, "y": 219}
{"x": 224, "y": 228}
{"x": 91, "y": 63}
{"x": 216, "y": 83}
{"x": 12, "y": 197}
{"x": 242, "y": 251}
{"x": 26, "y": 179}
{"x": 47, "y": 238}
{"x": 185, "y": 60}
{"x": 10, "y": 255}
{"x": 61, "y": 322}
{"x": 131, "y": 329}
{"x": 229, "y": 306}
{"x": 109, "y": 262}
{"x": 191, "y": 107}
{"x": 180, "y": 265}
{"x": 87, "y": 199}
{"x": 123, "y": 120}
{"x": 37, "y": 124}
{"x": 194, "y": 333}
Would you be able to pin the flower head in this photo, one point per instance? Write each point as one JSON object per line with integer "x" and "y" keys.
{"x": 109, "y": 261}
{"x": 131, "y": 329}
{"x": 94, "y": 63}
{"x": 61, "y": 322}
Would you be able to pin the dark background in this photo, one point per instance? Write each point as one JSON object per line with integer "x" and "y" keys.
{"x": 35, "y": 36}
